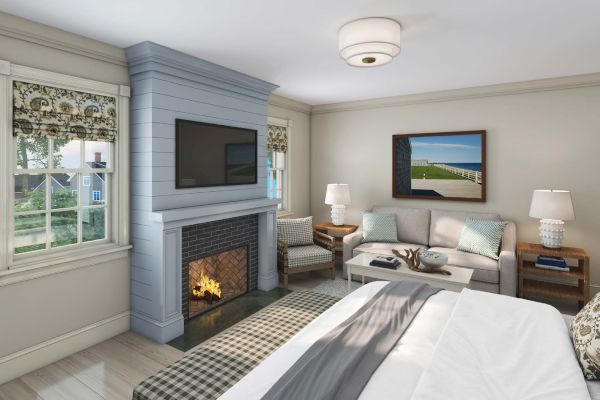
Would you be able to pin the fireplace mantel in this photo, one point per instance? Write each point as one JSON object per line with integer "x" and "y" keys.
{"x": 211, "y": 212}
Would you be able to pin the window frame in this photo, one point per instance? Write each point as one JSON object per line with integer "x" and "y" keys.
{"x": 81, "y": 172}
{"x": 286, "y": 209}
{"x": 24, "y": 266}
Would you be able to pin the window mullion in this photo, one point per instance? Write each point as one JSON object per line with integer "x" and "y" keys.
{"x": 48, "y": 210}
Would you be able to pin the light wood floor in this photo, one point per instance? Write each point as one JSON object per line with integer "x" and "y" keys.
{"x": 111, "y": 369}
{"x": 108, "y": 370}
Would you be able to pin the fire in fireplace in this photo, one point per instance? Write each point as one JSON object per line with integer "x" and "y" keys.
{"x": 217, "y": 278}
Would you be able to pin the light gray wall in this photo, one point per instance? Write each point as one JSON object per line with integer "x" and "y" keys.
{"x": 299, "y": 114}
{"x": 40, "y": 309}
{"x": 536, "y": 140}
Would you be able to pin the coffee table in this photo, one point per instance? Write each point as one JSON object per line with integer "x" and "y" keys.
{"x": 359, "y": 265}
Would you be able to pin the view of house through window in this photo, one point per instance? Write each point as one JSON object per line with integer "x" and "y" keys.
{"x": 60, "y": 192}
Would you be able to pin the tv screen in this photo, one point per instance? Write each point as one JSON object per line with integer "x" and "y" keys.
{"x": 213, "y": 155}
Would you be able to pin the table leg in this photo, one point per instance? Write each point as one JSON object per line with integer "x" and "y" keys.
{"x": 349, "y": 280}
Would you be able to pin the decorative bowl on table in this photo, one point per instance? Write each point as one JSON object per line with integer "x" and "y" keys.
{"x": 433, "y": 259}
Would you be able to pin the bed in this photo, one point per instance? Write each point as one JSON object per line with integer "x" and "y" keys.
{"x": 517, "y": 350}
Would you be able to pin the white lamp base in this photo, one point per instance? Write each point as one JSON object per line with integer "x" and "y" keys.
{"x": 337, "y": 214}
{"x": 552, "y": 233}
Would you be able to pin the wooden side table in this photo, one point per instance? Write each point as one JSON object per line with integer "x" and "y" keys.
{"x": 338, "y": 232}
{"x": 571, "y": 285}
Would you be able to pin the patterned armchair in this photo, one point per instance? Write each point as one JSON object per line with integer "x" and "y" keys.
{"x": 301, "y": 249}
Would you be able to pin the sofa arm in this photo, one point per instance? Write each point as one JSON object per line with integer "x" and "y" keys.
{"x": 350, "y": 242}
{"x": 507, "y": 263}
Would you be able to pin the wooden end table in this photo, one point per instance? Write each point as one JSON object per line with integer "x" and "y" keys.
{"x": 568, "y": 285}
{"x": 338, "y": 232}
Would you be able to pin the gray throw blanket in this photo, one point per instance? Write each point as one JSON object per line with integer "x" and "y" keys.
{"x": 339, "y": 365}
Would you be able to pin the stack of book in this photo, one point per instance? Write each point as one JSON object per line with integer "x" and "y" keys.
{"x": 385, "y": 262}
{"x": 555, "y": 263}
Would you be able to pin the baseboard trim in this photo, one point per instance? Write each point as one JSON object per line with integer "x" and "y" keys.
{"x": 24, "y": 361}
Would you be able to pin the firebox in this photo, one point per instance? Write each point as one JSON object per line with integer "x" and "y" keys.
{"x": 216, "y": 279}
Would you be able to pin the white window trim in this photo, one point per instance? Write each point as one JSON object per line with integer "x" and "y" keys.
{"x": 28, "y": 266}
{"x": 94, "y": 194}
{"x": 89, "y": 180}
{"x": 287, "y": 193}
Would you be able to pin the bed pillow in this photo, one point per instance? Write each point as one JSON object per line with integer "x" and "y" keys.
{"x": 481, "y": 236}
{"x": 379, "y": 227}
{"x": 585, "y": 331}
{"x": 295, "y": 231}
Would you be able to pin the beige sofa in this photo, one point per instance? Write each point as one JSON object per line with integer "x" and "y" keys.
{"x": 440, "y": 231}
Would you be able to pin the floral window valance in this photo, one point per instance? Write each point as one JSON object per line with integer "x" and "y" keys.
{"x": 46, "y": 111}
{"x": 277, "y": 138}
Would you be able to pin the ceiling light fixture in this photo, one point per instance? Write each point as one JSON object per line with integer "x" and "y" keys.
{"x": 369, "y": 42}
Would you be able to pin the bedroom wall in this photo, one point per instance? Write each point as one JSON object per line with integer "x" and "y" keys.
{"x": 46, "y": 317}
{"x": 540, "y": 135}
{"x": 299, "y": 114}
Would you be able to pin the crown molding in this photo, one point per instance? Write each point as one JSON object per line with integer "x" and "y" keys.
{"x": 152, "y": 57}
{"x": 91, "y": 48}
{"x": 540, "y": 85}
{"x": 289, "y": 104}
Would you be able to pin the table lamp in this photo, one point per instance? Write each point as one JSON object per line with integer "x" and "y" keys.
{"x": 338, "y": 197}
{"x": 552, "y": 207}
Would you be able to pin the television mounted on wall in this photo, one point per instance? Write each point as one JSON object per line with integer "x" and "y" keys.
{"x": 214, "y": 155}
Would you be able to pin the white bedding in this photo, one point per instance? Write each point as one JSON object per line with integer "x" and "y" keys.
{"x": 408, "y": 364}
{"x": 517, "y": 349}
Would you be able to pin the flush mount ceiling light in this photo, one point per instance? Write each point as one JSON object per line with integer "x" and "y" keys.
{"x": 369, "y": 42}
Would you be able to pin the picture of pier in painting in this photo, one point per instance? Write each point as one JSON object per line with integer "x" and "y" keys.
{"x": 440, "y": 166}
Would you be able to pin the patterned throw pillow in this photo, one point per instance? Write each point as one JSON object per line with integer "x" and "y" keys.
{"x": 379, "y": 227}
{"x": 295, "y": 231}
{"x": 585, "y": 331}
{"x": 481, "y": 236}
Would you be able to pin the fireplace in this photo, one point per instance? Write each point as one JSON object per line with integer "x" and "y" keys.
{"x": 218, "y": 256}
{"x": 216, "y": 279}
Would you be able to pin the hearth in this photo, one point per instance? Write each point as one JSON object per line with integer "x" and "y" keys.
{"x": 216, "y": 279}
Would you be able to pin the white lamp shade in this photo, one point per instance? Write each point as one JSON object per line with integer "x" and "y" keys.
{"x": 338, "y": 194}
{"x": 369, "y": 42}
{"x": 552, "y": 204}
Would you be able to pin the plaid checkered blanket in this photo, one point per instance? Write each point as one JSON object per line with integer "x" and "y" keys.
{"x": 218, "y": 363}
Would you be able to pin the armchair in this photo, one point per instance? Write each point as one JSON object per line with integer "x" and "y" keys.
{"x": 296, "y": 259}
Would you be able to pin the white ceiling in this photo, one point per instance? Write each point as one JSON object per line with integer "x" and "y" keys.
{"x": 445, "y": 44}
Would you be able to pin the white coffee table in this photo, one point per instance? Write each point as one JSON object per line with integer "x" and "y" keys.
{"x": 359, "y": 265}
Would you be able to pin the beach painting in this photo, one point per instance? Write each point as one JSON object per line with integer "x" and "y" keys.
{"x": 440, "y": 166}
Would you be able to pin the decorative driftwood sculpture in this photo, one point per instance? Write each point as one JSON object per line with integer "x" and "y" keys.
{"x": 413, "y": 260}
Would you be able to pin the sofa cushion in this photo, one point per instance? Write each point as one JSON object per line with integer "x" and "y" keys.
{"x": 480, "y": 236}
{"x": 295, "y": 231}
{"x": 384, "y": 249}
{"x": 412, "y": 223}
{"x": 378, "y": 227}
{"x": 299, "y": 256}
{"x": 447, "y": 226}
{"x": 484, "y": 269}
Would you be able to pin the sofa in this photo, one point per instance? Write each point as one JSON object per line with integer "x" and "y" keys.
{"x": 440, "y": 231}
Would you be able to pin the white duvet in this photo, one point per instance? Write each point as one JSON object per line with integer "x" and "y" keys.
{"x": 471, "y": 345}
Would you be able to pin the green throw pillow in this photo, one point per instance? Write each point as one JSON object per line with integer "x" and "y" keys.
{"x": 480, "y": 236}
{"x": 379, "y": 227}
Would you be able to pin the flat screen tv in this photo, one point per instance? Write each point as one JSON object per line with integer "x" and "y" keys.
{"x": 213, "y": 155}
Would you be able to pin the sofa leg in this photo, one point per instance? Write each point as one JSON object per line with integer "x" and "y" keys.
{"x": 285, "y": 280}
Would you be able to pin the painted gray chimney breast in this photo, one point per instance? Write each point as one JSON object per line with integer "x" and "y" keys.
{"x": 167, "y": 84}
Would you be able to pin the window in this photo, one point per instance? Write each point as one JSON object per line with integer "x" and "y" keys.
{"x": 278, "y": 186}
{"x": 50, "y": 210}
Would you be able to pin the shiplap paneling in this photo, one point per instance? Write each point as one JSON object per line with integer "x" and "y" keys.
{"x": 189, "y": 89}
